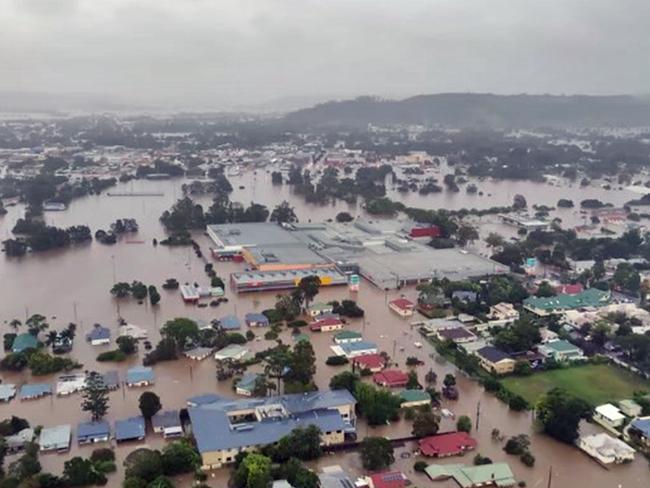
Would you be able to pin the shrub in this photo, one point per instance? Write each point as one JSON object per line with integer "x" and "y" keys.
{"x": 518, "y": 403}
{"x": 102, "y": 454}
{"x": 297, "y": 323}
{"x": 528, "y": 459}
{"x": 114, "y": 355}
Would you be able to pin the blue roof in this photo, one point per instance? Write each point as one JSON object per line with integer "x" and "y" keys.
{"x": 358, "y": 346}
{"x": 230, "y": 322}
{"x": 206, "y": 399}
{"x": 111, "y": 379}
{"x": 24, "y": 341}
{"x": 492, "y": 354}
{"x": 93, "y": 429}
{"x": 465, "y": 295}
{"x": 98, "y": 333}
{"x": 642, "y": 425}
{"x": 166, "y": 418}
{"x": 213, "y": 430}
{"x": 35, "y": 390}
{"x": 131, "y": 428}
{"x": 138, "y": 374}
{"x": 256, "y": 317}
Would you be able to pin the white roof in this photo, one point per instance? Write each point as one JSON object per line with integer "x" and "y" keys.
{"x": 607, "y": 445}
{"x": 610, "y": 412}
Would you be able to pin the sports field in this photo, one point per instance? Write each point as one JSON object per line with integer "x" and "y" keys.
{"x": 595, "y": 383}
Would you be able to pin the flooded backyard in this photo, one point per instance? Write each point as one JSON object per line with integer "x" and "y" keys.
{"x": 73, "y": 285}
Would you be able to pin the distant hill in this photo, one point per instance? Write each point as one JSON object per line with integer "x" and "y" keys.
{"x": 479, "y": 110}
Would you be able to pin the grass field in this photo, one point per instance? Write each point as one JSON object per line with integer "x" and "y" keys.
{"x": 595, "y": 383}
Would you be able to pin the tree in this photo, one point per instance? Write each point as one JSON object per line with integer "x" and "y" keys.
{"x": 344, "y": 217}
{"x": 95, "y": 396}
{"x": 494, "y": 240}
{"x": 82, "y": 472}
{"x": 464, "y": 424}
{"x": 520, "y": 336}
{"x": 376, "y": 453}
{"x": 149, "y": 404}
{"x": 15, "y": 324}
{"x": 26, "y": 465}
{"x": 466, "y": 234}
{"x": 413, "y": 383}
{"x": 308, "y": 288}
{"x": 276, "y": 363}
{"x": 298, "y": 475}
{"x": 559, "y": 413}
{"x": 154, "y": 296}
{"x": 253, "y": 472}
{"x": 450, "y": 380}
{"x": 517, "y": 445}
{"x": 598, "y": 270}
{"x": 301, "y": 443}
{"x": 626, "y": 277}
{"x": 144, "y": 464}
{"x": 545, "y": 289}
{"x": 302, "y": 364}
{"x": 121, "y": 290}
{"x": 127, "y": 344}
{"x": 284, "y": 213}
{"x": 139, "y": 290}
{"x": 346, "y": 380}
{"x": 431, "y": 377}
{"x": 180, "y": 457}
{"x": 36, "y": 324}
{"x": 425, "y": 424}
{"x": 181, "y": 331}
{"x": 378, "y": 405}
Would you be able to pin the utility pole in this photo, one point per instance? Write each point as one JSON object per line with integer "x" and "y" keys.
{"x": 550, "y": 476}
{"x": 74, "y": 309}
{"x": 478, "y": 413}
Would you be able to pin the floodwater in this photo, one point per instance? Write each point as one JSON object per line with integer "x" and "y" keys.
{"x": 73, "y": 285}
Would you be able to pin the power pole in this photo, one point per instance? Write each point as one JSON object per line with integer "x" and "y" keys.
{"x": 478, "y": 413}
{"x": 550, "y": 476}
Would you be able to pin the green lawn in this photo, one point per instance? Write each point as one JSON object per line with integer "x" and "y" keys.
{"x": 596, "y": 383}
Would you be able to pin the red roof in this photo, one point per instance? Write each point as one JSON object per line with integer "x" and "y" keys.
{"x": 449, "y": 444}
{"x": 569, "y": 289}
{"x": 403, "y": 303}
{"x": 388, "y": 479}
{"x": 391, "y": 377}
{"x": 327, "y": 321}
{"x": 370, "y": 361}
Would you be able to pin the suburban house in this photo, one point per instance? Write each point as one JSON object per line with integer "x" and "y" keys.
{"x": 326, "y": 324}
{"x": 167, "y": 423}
{"x": 630, "y": 408}
{"x": 229, "y": 322}
{"x": 502, "y": 314}
{"x": 256, "y": 320}
{"x": 70, "y": 383}
{"x": 319, "y": 308}
{"x": 590, "y": 298}
{"x": 606, "y": 448}
{"x": 246, "y": 385}
{"x": 639, "y": 430}
{"x": 347, "y": 336}
{"x": 99, "y": 335}
{"x": 233, "y": 352}
{"x": 354, "y": 349}
{"x": 131, "y": 330}
{"x": 34, "y": 390}
{"x": 371, "y": 362}
{"x": 561, "y": 350}
{"x": 17, "y": 442}
{"x": 7, "y": 392}
{"x": 198, "y": 353}
{"x": 493, "y": 475}
{"x": 387, "y": 479}
{"x": 494, "y": 360}
{"x": 111, "y": 380}
{"x": 447, "y": 444}
{"x": 391, "y": 378}
{"x": 414, "y": 398}
{"x": 402, "y": 306}
{"x": 457, "y": 335}
{"x": 608, "y": 416}
{"x": 93, "y": 432}
{"x": 131, "y": 429}
{"x": 23, "y": 342}
{"x": 55, "y": 438}
{"x": 139, "y": 376}
{"x": 224, "y": 427}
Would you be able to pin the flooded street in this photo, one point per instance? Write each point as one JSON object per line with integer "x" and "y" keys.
{"x": 72, "y": 285}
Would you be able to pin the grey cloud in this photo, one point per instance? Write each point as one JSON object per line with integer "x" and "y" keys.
{"x": 225, "y": 53}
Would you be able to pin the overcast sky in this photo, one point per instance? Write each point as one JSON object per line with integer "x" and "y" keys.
{"x": 224, "y": 53}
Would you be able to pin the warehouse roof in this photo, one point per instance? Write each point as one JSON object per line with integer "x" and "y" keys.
{"x": 590, "y": 298}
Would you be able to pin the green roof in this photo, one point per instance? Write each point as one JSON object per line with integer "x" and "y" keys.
{"x": 562, "y": 346}
{"x": 593, "y": 297}
{"x": 348, "y": 334}
{"x": 498, "y": 474}
{"x": 24, "y": 341}
{"x": 319, "y": 306}
{"x": 301, "y": 337}
{"x": 414, "y": 396}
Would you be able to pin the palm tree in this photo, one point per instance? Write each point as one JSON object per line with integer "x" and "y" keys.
{"x": 51, "y": 337}
{"x": 276, "y": 364}
{"x": 36, "y": 324}
{"x": 15, "y": 324}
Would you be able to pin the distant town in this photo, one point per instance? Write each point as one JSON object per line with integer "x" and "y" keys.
{"x": 242, "y": 301}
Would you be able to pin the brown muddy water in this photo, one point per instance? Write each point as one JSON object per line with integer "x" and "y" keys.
{"x": 73, "y": 286}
